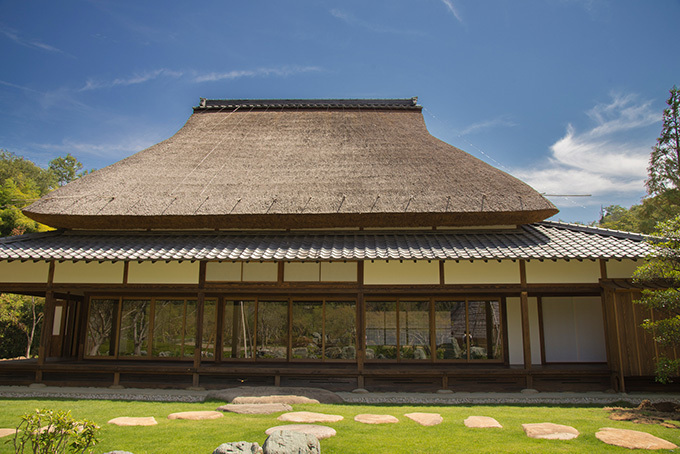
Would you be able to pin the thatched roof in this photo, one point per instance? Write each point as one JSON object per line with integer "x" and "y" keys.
{"x": 296, "y": 164}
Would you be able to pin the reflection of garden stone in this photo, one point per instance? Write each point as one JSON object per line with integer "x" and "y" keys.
{"x": 286, "y": 442}
{"x": 419, "y": 353}
{"x": 370, "y": 353}
{"x": 300, "y": 352}
{"x": 333, "y": 352}
{"x": 349, "y": 352}
{"x": 238, "y": 447}
{"x": 477, "y": 353}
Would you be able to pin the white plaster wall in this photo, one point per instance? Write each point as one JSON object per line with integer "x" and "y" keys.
{"x": 622, "y": 269}
{"x": 24, "y": 271}
{"x": 260, "y": 271}
{"x": 562, "y": 272}
{"x": 573, "y": 329}
{"x": 89, "y": 272}
{"x": 394, "y": 272}
{"x": 223, "y": 271}
{"x": 514, "y": 320}
{"x": 301, "y": 272}
{"x": 163, "y": 273}
{"x": 338, "y": 271}
{"x": 481, "y": 272}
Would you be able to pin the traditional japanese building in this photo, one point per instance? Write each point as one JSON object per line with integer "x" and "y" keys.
{"x": 330, "y": 243}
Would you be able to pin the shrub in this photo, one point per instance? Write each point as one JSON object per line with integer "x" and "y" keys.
{"x": 50, "y": 432}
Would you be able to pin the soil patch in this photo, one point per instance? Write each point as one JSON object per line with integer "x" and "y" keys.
{"x": 662, "y": 413}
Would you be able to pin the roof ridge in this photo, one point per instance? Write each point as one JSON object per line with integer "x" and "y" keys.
{"x": 389, "y": 103}
{"x": 597, "y": 230}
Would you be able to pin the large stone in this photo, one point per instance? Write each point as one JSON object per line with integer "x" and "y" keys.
{"x": 238, "y": 447}
{"x": 118, "y": 452}
{"x": 308, "y": 417}
{"x": 482, "y": 422}
{"x": 290, "y": 400}
{"x": 368, "y": 418}
{"x": 550, "y": 431}
{"x": 322, "y": 395}
{"x": 134, "y": 421}
{"x": 196, "y": 415}
{"x": 288, "y": 442}
{"x": 255, "y": 409}
{"x": 319, "y": 432}
{"x": 426, "y": 419}
{"x": 7, "y": 432}
{"x": 632, "y": 439}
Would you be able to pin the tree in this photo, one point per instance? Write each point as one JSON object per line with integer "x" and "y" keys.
{"x": 663, "y": 268}
{"x": 664, "y": 163}
{"x": 23, "y": 313}
{"x": 644, "y": 217}
{"x": 66, "y": 169}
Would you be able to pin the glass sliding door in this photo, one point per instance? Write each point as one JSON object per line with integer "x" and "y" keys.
{"x": 272, "y": 330}
{"x": 238, "y": 329}
{"x": 414, "y": 330}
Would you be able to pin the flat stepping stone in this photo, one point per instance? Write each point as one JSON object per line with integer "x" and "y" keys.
{"x": 320, "y": 432}
{"x": 255, "y": 409}
{"x": 322, "y": 395}
{"x": 482, "y": 422}
{"x": 550, "y": 431}
{"x": 425, "y": 419}
{"x": 7, "y": 432}
{"x": 308, "y": 416}
{"x": 632, "y": 439}
{"x": 196, "y": 415}
{"x": 133, "y": 421}
{"x": 368, "y": 418}
{"x": 290, "y": 400}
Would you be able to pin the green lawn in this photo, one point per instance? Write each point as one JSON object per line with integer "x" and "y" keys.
{"x": 178, "y": 436}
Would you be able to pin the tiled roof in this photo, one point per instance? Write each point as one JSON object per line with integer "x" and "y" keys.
{"x": 544, "y": 240}
{"x": 217, "y": 104}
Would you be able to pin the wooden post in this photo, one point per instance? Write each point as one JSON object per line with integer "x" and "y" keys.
{"x": 526, "y": 329}
{"x": 361, "y": 324}
{"x": 200, "y": 304}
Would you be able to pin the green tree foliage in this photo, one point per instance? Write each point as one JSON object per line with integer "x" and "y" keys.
{"x": 664, "y": 163}
{"x": 24, "y": 314}
{"x": 66, "y": 169}
{"x": 663, "y": 269}
{"x": 54, "y": 432}
{"x": 644, "y": 217}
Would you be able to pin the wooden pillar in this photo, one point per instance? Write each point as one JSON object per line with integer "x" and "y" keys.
{"x": 48, "y": 320}
{"x": 361, "y": 324}
{"x": 526, "y": 329}
{"x": 200, "y": 305}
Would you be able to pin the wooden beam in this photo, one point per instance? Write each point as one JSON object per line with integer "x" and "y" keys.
{"x": 526, "y": 330}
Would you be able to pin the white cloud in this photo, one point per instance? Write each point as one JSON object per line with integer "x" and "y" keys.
{"x": 452, "y": 8}
{"x": 354, "y": 21}
{"x": 125, "y": 147}
{"x": 606, "y": 160}
{"x": 488, "y": 124}
{"x": 30, "y": 43}
{"x": 135, "y": 79}
{"x": 260, "y": 72}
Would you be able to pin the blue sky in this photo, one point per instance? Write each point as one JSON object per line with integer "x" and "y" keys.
{"x": 564, "y": 94}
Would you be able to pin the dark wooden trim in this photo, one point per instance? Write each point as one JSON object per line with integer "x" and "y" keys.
{"x": 526, "y": 330}
{"x": 200, "y": 303}
{"x": 541, "y": 328}
{"x": 504, "y": 327}
{"x": 622, "y": 383}
{"x": 280, "y": 273}
{"x": 442, "y": 277}
{"x": 523, "y": 274}
{"x": 126, "y": 272}
{"x": 603, "y": 269}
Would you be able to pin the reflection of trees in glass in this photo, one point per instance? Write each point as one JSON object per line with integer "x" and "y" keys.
{"x": 174, "y": 328}
{"x": 209, "y": 328}
{"x": 134, "y": 328}
{"x": 381, "y": 330}
{"x": 340, "y": 330}
{"x": 307, "y": 335}
{"x": 272, "y": 329}
{"x": 238, "y": 329}
{"x": 414, "y": 329}
{"x": 468, "y": 330}
{"x": 101, "y": 319}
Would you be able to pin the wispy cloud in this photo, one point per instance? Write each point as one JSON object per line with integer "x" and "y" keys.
{"x": 453, "y": 10}
{"x": 138, "y": 78}
{"x": 502, "y": 121}
{"x": 13, "y": 35}
{"x": 354, "y": 21}
{"x": 283, "y": 71}
{"x": 606, "y": 160}
{"x": 125, "y": 147}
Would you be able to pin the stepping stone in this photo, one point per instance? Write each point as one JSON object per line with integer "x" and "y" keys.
{"x": 255, "y": 409}
{"x": 550, "y": 431}
{"x": 320, "y": 432}
{"x": 308, "y": 416}
{"x": 632, "y": 439}
{"x": 7, "y": 432}
{"x": 134, "y": 421}
{"x": 322, "y": 395}
{"x": 425, "y": 419}
{"x": 368, "y": 418}
{"x": 196, "y": 415}
{"x": 482, "y": 422}
{"x": 290, "y": 400}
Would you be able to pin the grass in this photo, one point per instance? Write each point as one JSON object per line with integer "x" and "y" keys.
{"x": 189, "y": 437}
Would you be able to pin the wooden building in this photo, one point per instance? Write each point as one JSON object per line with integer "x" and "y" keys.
{"x": 330, "y": 243}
